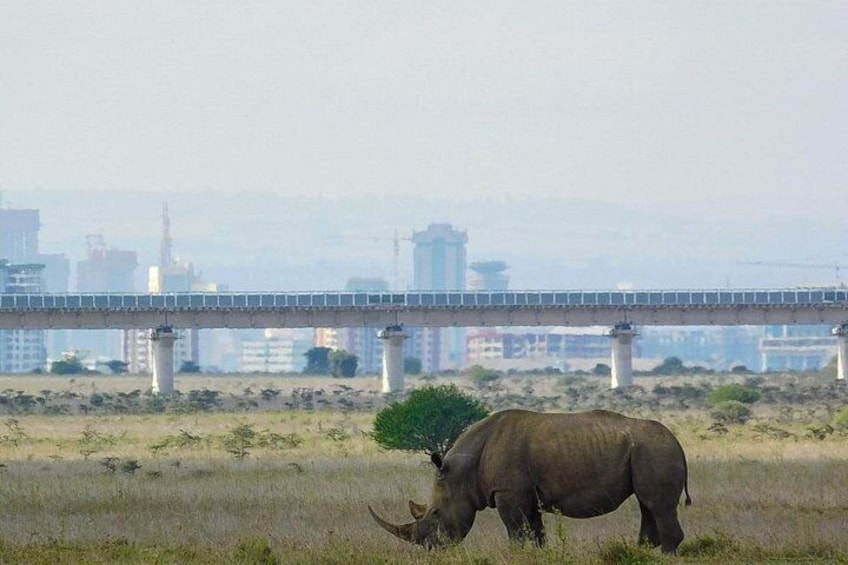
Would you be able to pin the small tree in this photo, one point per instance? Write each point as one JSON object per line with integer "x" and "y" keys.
{"x": 343, "y": 364}
{"x": 739, "y": 393}
{"x": 429, "y": 420}
{"x": 317, "y": 361}
{"x": 670, "y": 366}
{"x": 731, "y": 412}
{"x": 602, "y": 370}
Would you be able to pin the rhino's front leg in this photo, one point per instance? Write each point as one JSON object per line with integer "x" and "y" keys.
{"x": 521, "y": 516}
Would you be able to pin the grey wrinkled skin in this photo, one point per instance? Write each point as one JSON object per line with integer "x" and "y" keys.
{"x": 580, "y": 465}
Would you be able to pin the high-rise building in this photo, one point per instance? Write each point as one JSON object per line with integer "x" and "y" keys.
{"x": 439, "y": 263}
{"x": 19, "y": 246}
{"x": 21, "y": 351}
{"x": 103, "y": 270}
{"x": 439, "y": 258}
{"x": 19, "y": 235}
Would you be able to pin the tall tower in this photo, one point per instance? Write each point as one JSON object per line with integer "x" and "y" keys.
{"x": 439, "y": 258}
{"x": 439, "y": 263}
{"x": 488, "y": 275}
{"x": 19, "y": 235}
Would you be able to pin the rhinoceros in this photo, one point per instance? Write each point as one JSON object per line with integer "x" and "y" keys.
{"x": 580, "y": 465}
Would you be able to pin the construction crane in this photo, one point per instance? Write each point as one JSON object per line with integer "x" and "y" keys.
{"x": 395, "y": 239}
{"x": 781, "y": 264}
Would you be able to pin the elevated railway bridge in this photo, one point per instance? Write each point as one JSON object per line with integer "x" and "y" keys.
{"x": 621, "y": 310}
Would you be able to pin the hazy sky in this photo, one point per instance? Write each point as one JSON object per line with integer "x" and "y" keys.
{"x": 741, "y": 103}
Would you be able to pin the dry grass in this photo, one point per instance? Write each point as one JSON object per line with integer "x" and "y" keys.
{"x": 758, "y": 495}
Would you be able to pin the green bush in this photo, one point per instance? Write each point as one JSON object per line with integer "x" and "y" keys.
{"x": 429, "y": 420}
{"x": 739, "y": 393}
{"x": 841, "y": 419}
{"x": 482, "y": 376}
{"x": 731, "y": 412}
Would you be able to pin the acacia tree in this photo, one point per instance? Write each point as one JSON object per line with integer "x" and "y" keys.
{"x": 429, "y": 420}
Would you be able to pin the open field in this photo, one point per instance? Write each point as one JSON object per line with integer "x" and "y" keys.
{"x": 266, "y": 482}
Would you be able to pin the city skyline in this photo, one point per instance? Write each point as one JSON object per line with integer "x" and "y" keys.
{"x": 265, "y": 242}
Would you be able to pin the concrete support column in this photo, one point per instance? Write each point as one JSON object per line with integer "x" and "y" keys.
{"x": 162, "y": 340}
{"x": 622, "y": 355}
{"x": 393, "y": 338}
{"x": 841, "y": 333}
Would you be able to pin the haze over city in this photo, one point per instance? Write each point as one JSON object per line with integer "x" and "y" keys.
{"x": 586, "y": 144}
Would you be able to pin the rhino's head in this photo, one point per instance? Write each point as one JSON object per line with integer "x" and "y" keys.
{"x": 447, "y": 518}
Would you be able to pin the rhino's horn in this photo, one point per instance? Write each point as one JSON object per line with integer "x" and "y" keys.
{"x": 404, "y": 531}
{"x": 417, "y": 510}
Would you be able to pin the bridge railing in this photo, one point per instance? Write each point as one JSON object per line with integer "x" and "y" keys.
{"x": 424, "y": 299}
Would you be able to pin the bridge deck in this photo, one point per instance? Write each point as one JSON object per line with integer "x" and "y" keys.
{"x": 426, "y": 308}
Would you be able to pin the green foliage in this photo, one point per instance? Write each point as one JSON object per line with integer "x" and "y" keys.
{"x": 14, "y": 435}
{"x": 130, "y": 466}
{"x": 670, "y": 366}
{"x": 412, "y": 366}
{"x": 69, "y": 366}
{"x": 740, "y": 393}
{"x": 707, "y": 546}
{"x": 429, "y": 420}
{"x": 255, "y": 551}
{"x": 317, "y": 361}
{"x": 343, "y": 364}
{"x": 841, "y": 419}
{"x": 116, "y": 366}
{"x": 602, "y": 370}
{"x": 731, "y": 412}
{"x": 240, "y": 440}
{"x": 740, "y": 370}
{"x": 189, "y": 367}
{"x": 623, "y": 553}
{"x": 820, "y": 432}
{"x": 482, "y": 376}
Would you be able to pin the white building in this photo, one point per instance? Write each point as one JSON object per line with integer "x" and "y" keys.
{"x": 281, "y": 351}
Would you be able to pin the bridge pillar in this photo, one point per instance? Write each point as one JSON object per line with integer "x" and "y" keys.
{"x": 841, "y": 333}
{"x": 162, "y": 341}
{"x": 622, "y": 355}
{"x": 393, "y": 338}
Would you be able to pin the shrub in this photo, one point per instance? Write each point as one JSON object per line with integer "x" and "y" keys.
{"x": 738, "y": 393}
{"x": 841, "y": 419}
{"x": 482, "y": 376}
{"x": 429, "y": 420}
{"x": 731, "y": 412}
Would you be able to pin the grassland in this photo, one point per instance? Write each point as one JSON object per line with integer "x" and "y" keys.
{"x": 282, "y": 479}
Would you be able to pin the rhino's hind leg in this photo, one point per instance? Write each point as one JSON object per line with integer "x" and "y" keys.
{"x": 521, "y": 516}
{"x": 671, "y": 534}
{"x": 648, "y": 532}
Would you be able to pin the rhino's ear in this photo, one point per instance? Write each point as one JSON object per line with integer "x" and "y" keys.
{"x": 437, "y": 460}
{"x": 417, "y": 510}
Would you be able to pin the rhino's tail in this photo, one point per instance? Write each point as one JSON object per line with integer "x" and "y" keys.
{"x": 688, "y": 501}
